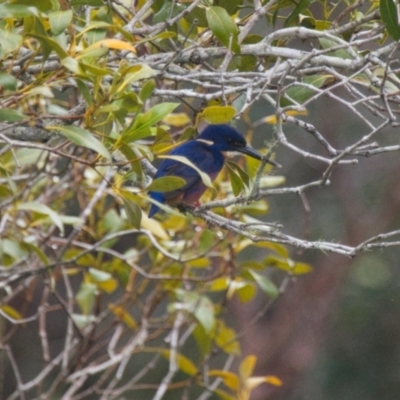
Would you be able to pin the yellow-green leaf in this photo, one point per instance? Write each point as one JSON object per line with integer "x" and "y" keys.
{"x": 301, "y": 268}
{"x": 246, "y": 367}
{"x": 226, "y": 339}
{"x": 166, "y": 184}
{"x": 11, "y": 312}
{"x": 230, "y": 379}
{"x": 217, "y": 114}
{"x": 183, "y": 362}
{"x": 123, "y": 315}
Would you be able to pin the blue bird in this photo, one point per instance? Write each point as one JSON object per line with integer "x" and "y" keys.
{"x": 207, "y": 154}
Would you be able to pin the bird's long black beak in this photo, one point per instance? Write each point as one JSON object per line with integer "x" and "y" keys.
{"x": 248, "y": 150}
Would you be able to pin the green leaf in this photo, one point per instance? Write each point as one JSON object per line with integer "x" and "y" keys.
{"x": 168, "y": 10}
{"x": 266, "y": 285}
{"x": 300, "y": 94}
{"x": 136, "y": 73}
{"x": 9, "y": 42}
{"x": 204, "y": 312}
{"x": 92, "y": 3}
{"x": 231, "y": 6}
{"x": 82, "y": 137}
{"x": 9, "y": 115}
{"x": 42, "y": 209}
{"x": 85, "y": 297}
{"x": 133, "y": 212}
{"x": 301, "y": 6}
{"x": 340, "y": 53}
{"x": 16, "y": 11}
{"x": 166, "y": 184}
{"x": 8, "y": 81}
{"x": 143, "y": 122}
{"x": 244, "y": 176}
{"x": 222, "y": 26}
{"x": 389, "y": 17}
{"x": 59, "y": 21}
{"x": 200, "y": 306}
{"x": 236, "y": 183}
{"x": 51, "y": 44}
{"x": 84, "y": 91}
{"x": 147, "y": 90}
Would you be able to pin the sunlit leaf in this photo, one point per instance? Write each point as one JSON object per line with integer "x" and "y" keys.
{"x": 247, "y": 366}
{"x": 184, "y": 363}
{"x": 123, "y": 315}
{"x": 217, "y": 114}
{"x": 59, "y": 21}
{"x": 82, "y": 137}
{"x": 202, "y": 262}
{"x": 177, "y": 120}
{"x": 301, "y": 268}
{"x": 230, "y": 379}
{"x": 16, "y": 11}
{"x": 11, "y": 312}
{"x": 43, "y": 209}
{"x": 9, "y": 42}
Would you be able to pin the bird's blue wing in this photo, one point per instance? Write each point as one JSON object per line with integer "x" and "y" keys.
{"x": 173, "y": 168}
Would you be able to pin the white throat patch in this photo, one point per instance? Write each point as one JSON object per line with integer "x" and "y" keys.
{"x": 209, "y": 142}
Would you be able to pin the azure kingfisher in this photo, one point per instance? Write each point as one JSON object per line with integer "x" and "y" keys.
{"x": 207, "y": 154}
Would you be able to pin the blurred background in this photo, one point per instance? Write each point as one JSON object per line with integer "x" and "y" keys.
{"x": 334, "y": 334}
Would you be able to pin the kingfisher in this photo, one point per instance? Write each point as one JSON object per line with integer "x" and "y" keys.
{"x": 207, "y": 153}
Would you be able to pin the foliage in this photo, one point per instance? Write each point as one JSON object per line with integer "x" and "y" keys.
{"x": 91, "y": 93}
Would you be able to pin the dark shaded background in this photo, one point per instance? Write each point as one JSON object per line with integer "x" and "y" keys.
{"x": 334, "y": 334}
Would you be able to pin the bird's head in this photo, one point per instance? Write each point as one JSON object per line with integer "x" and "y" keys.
{"x": 227, "y": 139}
